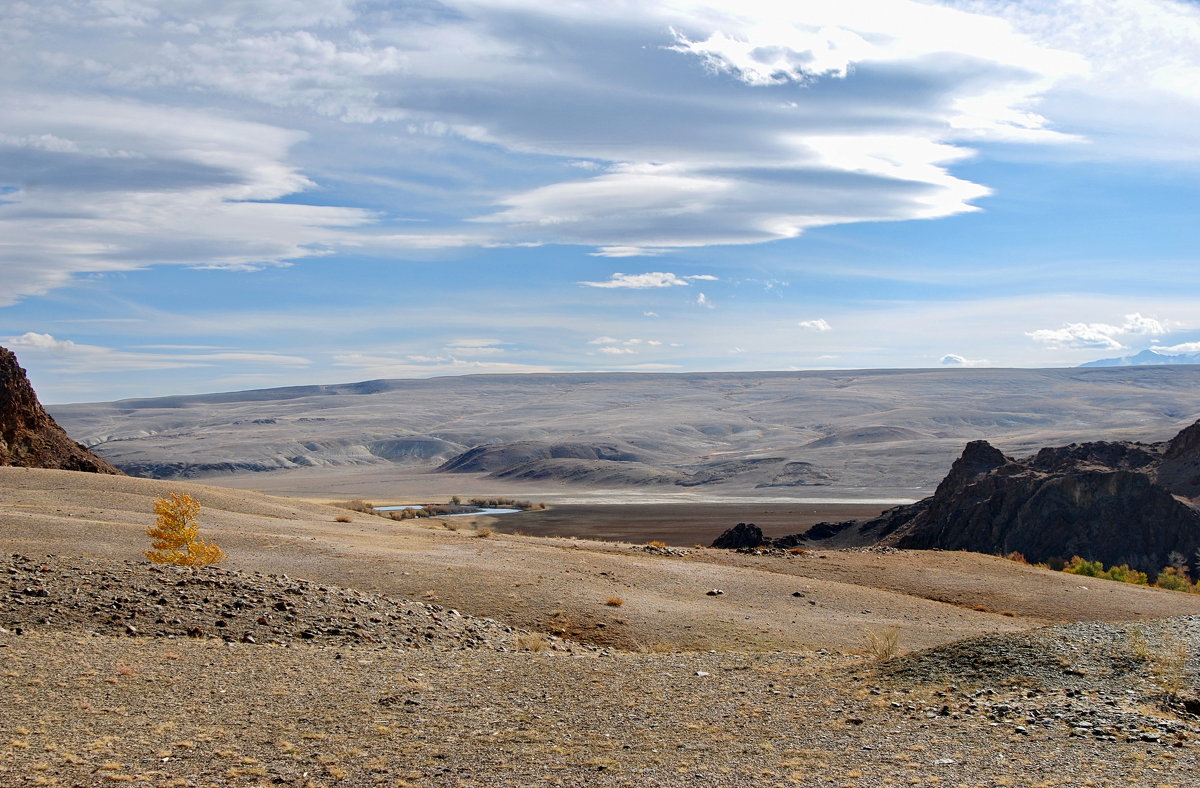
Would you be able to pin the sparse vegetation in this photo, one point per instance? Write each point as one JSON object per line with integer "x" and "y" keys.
{"x": 482, "y": 533}
{"x": 342, "y": 518}
{"x": 657, "y": 543}
{"x": 505, "y": 503}
{"x": 1173, "y": 578}
{"x": 614, "y": 601}
{"x": 357, "y": 505}
{"x": 883, "y": 643}
{"x": 1122, "y": 573}
{"x": 176, "y": 534}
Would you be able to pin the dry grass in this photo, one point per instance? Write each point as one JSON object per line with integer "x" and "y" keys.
{"x": 482, "y": 532}
{"x": 614, "y": 601}
{"x": 532, "y": 641}
{"x": 342, "y": 518}
{"x": 883, "y": 643}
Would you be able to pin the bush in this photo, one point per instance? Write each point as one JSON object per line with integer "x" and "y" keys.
{"x": 176, "y": 534}
{"x": 614, "y": 601}
{"x": 1081, "y": 566}
{"x": 1174, "y": 579}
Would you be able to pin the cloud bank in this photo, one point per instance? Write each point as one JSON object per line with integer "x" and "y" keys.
{"x": 222, "y": 134}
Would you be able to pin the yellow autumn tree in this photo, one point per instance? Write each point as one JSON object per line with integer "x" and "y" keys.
{"x": 176, "y": 534}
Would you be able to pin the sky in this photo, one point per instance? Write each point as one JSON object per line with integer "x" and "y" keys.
{"x": 216, "y": 195}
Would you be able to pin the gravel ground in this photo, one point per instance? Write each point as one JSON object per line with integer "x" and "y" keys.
{"x": 102, "y": 684}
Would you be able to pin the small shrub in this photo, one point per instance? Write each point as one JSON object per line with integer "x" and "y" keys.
{"x": 1138, "y": 647}
{"x": 342, "y": 518}
{"x": 483, "y": 532}
{"x": 794, "y": 551}
{"x": 614, "y": 601}
{"x": 883, "y": 643}
{"x": 657, "y": 543}
{"x": 532, "y": 641}
{"x": 1016, "y": 557}
{"x": 176, "y": 535}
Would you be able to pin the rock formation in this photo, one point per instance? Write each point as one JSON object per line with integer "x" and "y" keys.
{"x": 29, "y": 437}
{"x": 740, "y": 536}
{"x": 1118, "y": 503}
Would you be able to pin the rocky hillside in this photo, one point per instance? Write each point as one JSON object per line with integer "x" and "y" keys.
{"x": 1116, "y": 502}
{"x": 29, "y": 437}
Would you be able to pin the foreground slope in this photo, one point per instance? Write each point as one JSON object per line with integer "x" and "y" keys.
{"x": 345, "y": 686}
{"x": 820, "y": 600}
{"x": 888, "y": 432}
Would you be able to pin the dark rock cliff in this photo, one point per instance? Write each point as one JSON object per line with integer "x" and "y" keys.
{"x": 29, "y": 437}
{"x": 1119, "y": 503}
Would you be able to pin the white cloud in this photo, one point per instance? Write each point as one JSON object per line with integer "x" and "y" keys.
{"x": 617, "y": 351}
{"x": 815, "y": 325}
{"x": 955, "y": 360}
{"x": 702, "y": 278}
{"x": 33, "y": 340}
{"x": 146, "y": 185}
{"x": 1136, "y": 324}
{"x": 650, "y": 314}
{"x": 1079, "y": 336}
{"x": 704, "y": 301}
{"x": 1098, "y": 335}
{"x": 605, "y": 341}
{"x": 1181, "y": 348}
{"x": 641, "y": 281}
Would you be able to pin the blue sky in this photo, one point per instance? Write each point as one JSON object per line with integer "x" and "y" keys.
{"x": 210, "y": 195}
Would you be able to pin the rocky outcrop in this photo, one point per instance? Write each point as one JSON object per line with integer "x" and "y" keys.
{"x": 29, "y": 437}
{"x": 1115, "y": 502}
{"x": 740, "y": 536}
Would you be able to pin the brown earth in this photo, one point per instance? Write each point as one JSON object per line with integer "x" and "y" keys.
{"x": 765, "y": 684}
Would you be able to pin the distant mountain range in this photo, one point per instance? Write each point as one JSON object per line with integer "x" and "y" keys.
{"x": 852, "y": 433}
{"x": 1144, "y": 359}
